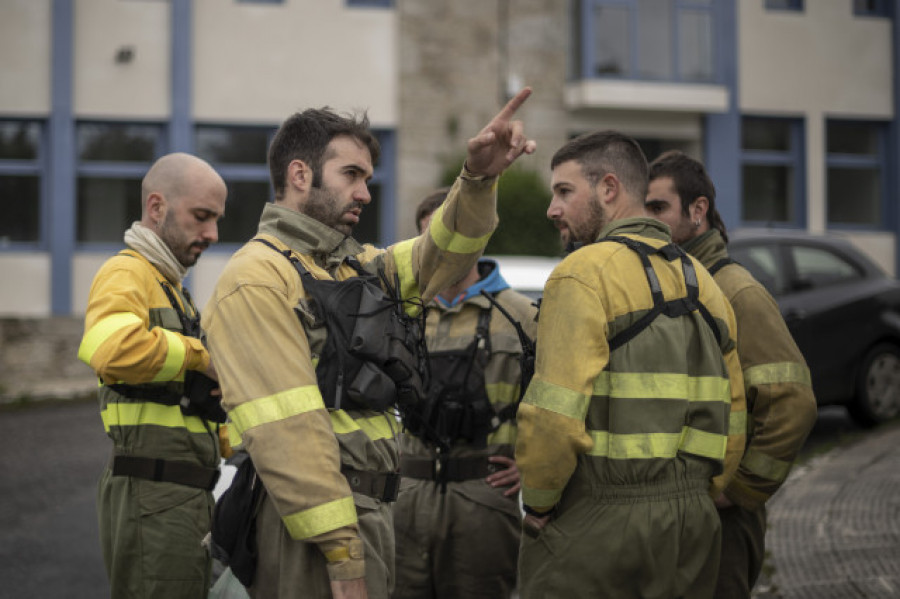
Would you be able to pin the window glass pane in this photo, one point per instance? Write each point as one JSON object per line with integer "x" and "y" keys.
{"x": 766, "y": 134}
{"x": 114, "y": 142}
{"x": 243, "y": 208}
{"x": 767, "y": 193}
{"x": 106, "y": 208}
{"x": 19, "y": 208}
{"x": 871, "y": 8}
{"x": 853, "y": 138}
{"x": 232, "y": 145}
{"x": 655, "y": 39}
{"x": 611, "y": 42}
{"x": 854, "y": 196}
{"x": 695, "y": 46}
{"x": 369, "y": 226}
{"x": 818, "y": 268}
{"x": 19, "y": 140}
{"x": 784, "y": 4}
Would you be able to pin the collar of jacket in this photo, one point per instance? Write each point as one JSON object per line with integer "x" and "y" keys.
{"x": 306, "y": 235}
{"x": 708, "y": 247}
{"x": 491, "y": 281}
{"x": 638, "y": 225}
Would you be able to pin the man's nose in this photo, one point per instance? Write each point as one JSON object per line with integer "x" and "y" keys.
{"x": 362, "y": 194}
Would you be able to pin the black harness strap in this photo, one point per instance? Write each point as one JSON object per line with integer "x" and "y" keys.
{"x": 718, "y": 265}
{"x": 168, "y": 471}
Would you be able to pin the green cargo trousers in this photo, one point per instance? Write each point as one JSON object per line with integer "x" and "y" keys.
{"x": 461, "y": 544}
{"x": 743, "y": 551}
{"x": 151, "y": 535}
{"x": 648, "y": 542}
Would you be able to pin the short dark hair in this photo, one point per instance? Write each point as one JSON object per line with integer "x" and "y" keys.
{"x": 604, "y": 152}
{"x": 691, "y": 182}
{"x": 305, "y": 136}
{"x": 431, "y": 203}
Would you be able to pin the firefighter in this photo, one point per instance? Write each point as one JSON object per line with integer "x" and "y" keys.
{"x": 142, "y": 339}
{"x": 633, "y": 422}
{"x": 457, "y": 518}
{"x": 780, "y": 400}
{"x": 324, "y": 527}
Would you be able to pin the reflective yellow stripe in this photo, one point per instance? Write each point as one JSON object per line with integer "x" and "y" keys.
{"x": 234, "y": 437}
{"x": 174, "y": 357}
{"x": 321, "y": 519}
{"x": 101, "y": 331}
{"x": 501, "y": 393}
{"x": 642, "y": 446}
{"x": 455, "y": 242}
{"x": 279, "y": 406}
{"x": 336, "y": 555}
{"x": 779, "y": 372}
{"x": 557, "y": 399}
{"x": 765, "y": 466}
{"x": 657, "y": 385}
{"x": 737, "y": 423}
{"x": 403, "y": 262}
{"x": 375, "y": 427}
{"x": 540, "y": 497}
{"x": 149, "y": 413}
{"x": 505, "y": 434}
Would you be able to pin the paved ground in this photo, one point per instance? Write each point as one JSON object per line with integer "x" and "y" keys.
{"x": 834, "y": 528}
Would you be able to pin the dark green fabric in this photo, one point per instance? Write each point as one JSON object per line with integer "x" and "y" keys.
{"x": 743, "y": 551}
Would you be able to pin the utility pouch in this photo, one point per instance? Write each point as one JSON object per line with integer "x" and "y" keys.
{"x": 373, "y": 388}
{"x": 201, "y": 402}
{"x": 234, "y": 523}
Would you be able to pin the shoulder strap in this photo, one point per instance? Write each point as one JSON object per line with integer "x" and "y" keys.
{"x": 718, "y": 265}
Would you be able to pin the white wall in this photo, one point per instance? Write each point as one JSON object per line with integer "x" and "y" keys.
{"x": 26, "y": 284}
{"x": 25, "y": 57}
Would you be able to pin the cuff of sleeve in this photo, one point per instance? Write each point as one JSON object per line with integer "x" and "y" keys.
{"x": 538, "y": 512}
{"x": 345, "y": 559}
{"x": 199, "y": 356}
{"x": 745, "y": 497}
{"x": 468, "y": 175}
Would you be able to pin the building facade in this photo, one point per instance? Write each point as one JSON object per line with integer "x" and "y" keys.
{"x": 791, "y": 104}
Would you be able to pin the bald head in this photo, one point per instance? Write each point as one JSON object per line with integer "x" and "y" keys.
{"x": 182, "y": 198}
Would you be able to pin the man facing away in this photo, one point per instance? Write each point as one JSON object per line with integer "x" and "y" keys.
{"x": 624, "y": 432}
{"x": 324, "y": 527}
{"x": 457, "y": 517}
{"x": 780, "y": 400}
{"x": 141, "y": 338}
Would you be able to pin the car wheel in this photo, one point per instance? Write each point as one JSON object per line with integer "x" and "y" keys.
{"x": 878, "y": 388}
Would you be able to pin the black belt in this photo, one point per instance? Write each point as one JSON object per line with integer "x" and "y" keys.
{"x": 381, "y": 486}
{"x": 169, "y": 471}
{"x": 445, "y": 469}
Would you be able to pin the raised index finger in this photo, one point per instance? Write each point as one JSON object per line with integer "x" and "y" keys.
{"x": 513, "y": 105}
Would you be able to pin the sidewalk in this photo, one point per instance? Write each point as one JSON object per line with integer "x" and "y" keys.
{"x": 834, "y": 527}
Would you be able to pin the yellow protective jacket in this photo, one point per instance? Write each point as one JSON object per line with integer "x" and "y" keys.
{"x": 266, "y": 360}
{"x": 666, "y": 405}
{"x": 780, "y": 400}
{"x": 133, "y": 335}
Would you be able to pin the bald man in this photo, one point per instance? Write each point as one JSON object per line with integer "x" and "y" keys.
{"x": 142, "y": 338}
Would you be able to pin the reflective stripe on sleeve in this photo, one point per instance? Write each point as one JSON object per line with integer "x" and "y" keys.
{"x": 540, "y": 497}
{"x": 643, "y": 446}
{"x": 737, "y": 423}
{"x": 557, "y": 399}
{"x": 279, "y": 406}
{"x": 149, "y": 413}
{"x": 375, "y": 427}
{"x": 779, "y": 372}
{"x": 403, "y": 262}
{"x": 101, "y": 331}
{"x": 765, "y": 466}
{"x": 174, "y": 357}
{"x": 634, "y": 385}
{"x": 320, "y": 519}
{"x": 455, "y": 242}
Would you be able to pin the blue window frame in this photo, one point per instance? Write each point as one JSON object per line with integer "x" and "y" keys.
{"x": 260, "y": 1}
{"x": 856, "y": 160}
{"x": 773, "y": 172}
{"x": 112, "y": 159}
{"x": 652, "y": 40}
{"x": 873, "y": 8}
{"x": 793, "y": 5}
{"x": 22, "y": 156}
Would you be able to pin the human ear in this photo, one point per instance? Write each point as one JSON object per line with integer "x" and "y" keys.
{"x": 156, "y": 207}
{"x": 299, "y": 174}
{"x": 699, "y": 208}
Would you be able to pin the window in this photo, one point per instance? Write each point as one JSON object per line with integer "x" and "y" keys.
{"x": 872, "y": 8}
{"x": 655, "y": 40}
{"x": 773, "y": 171}
{"x": 370, "y": 3}
{"x": 796, "y": 5}
{"x": 816, "y": 267}
{"x": 20, "y": 181}
{"x": 856, "y": 172}
{"x": 763, "y": 262}
{"x": 112, "y": 161}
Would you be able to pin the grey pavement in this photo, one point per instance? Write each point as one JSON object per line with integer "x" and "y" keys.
{"x": 834, "y": 527}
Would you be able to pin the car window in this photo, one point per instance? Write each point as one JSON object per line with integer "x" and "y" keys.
{"x": 763, "y": 263}
{"x": 816, "y": 267}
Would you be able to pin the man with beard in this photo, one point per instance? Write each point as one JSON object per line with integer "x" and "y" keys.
{"x": 634, "y": 421}
{"x": 141, "y": 338}
{"x": 780, "y": 398}
{"x": 329, "y": 469}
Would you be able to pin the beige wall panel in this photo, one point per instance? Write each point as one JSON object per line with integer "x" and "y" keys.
{"x": 205, "y": 274}
{"x": 29, "y": 295}
{"x": 822, "y": 59}
{"x": 84, "y": 266}
{"x": 25, "y": 32}
{"x": 263, "y": 62}
{"x": 880, "y": 247}
{"x": 138, "y": 89}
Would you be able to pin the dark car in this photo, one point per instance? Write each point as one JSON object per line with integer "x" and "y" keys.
{"x": 843, "y": 311}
